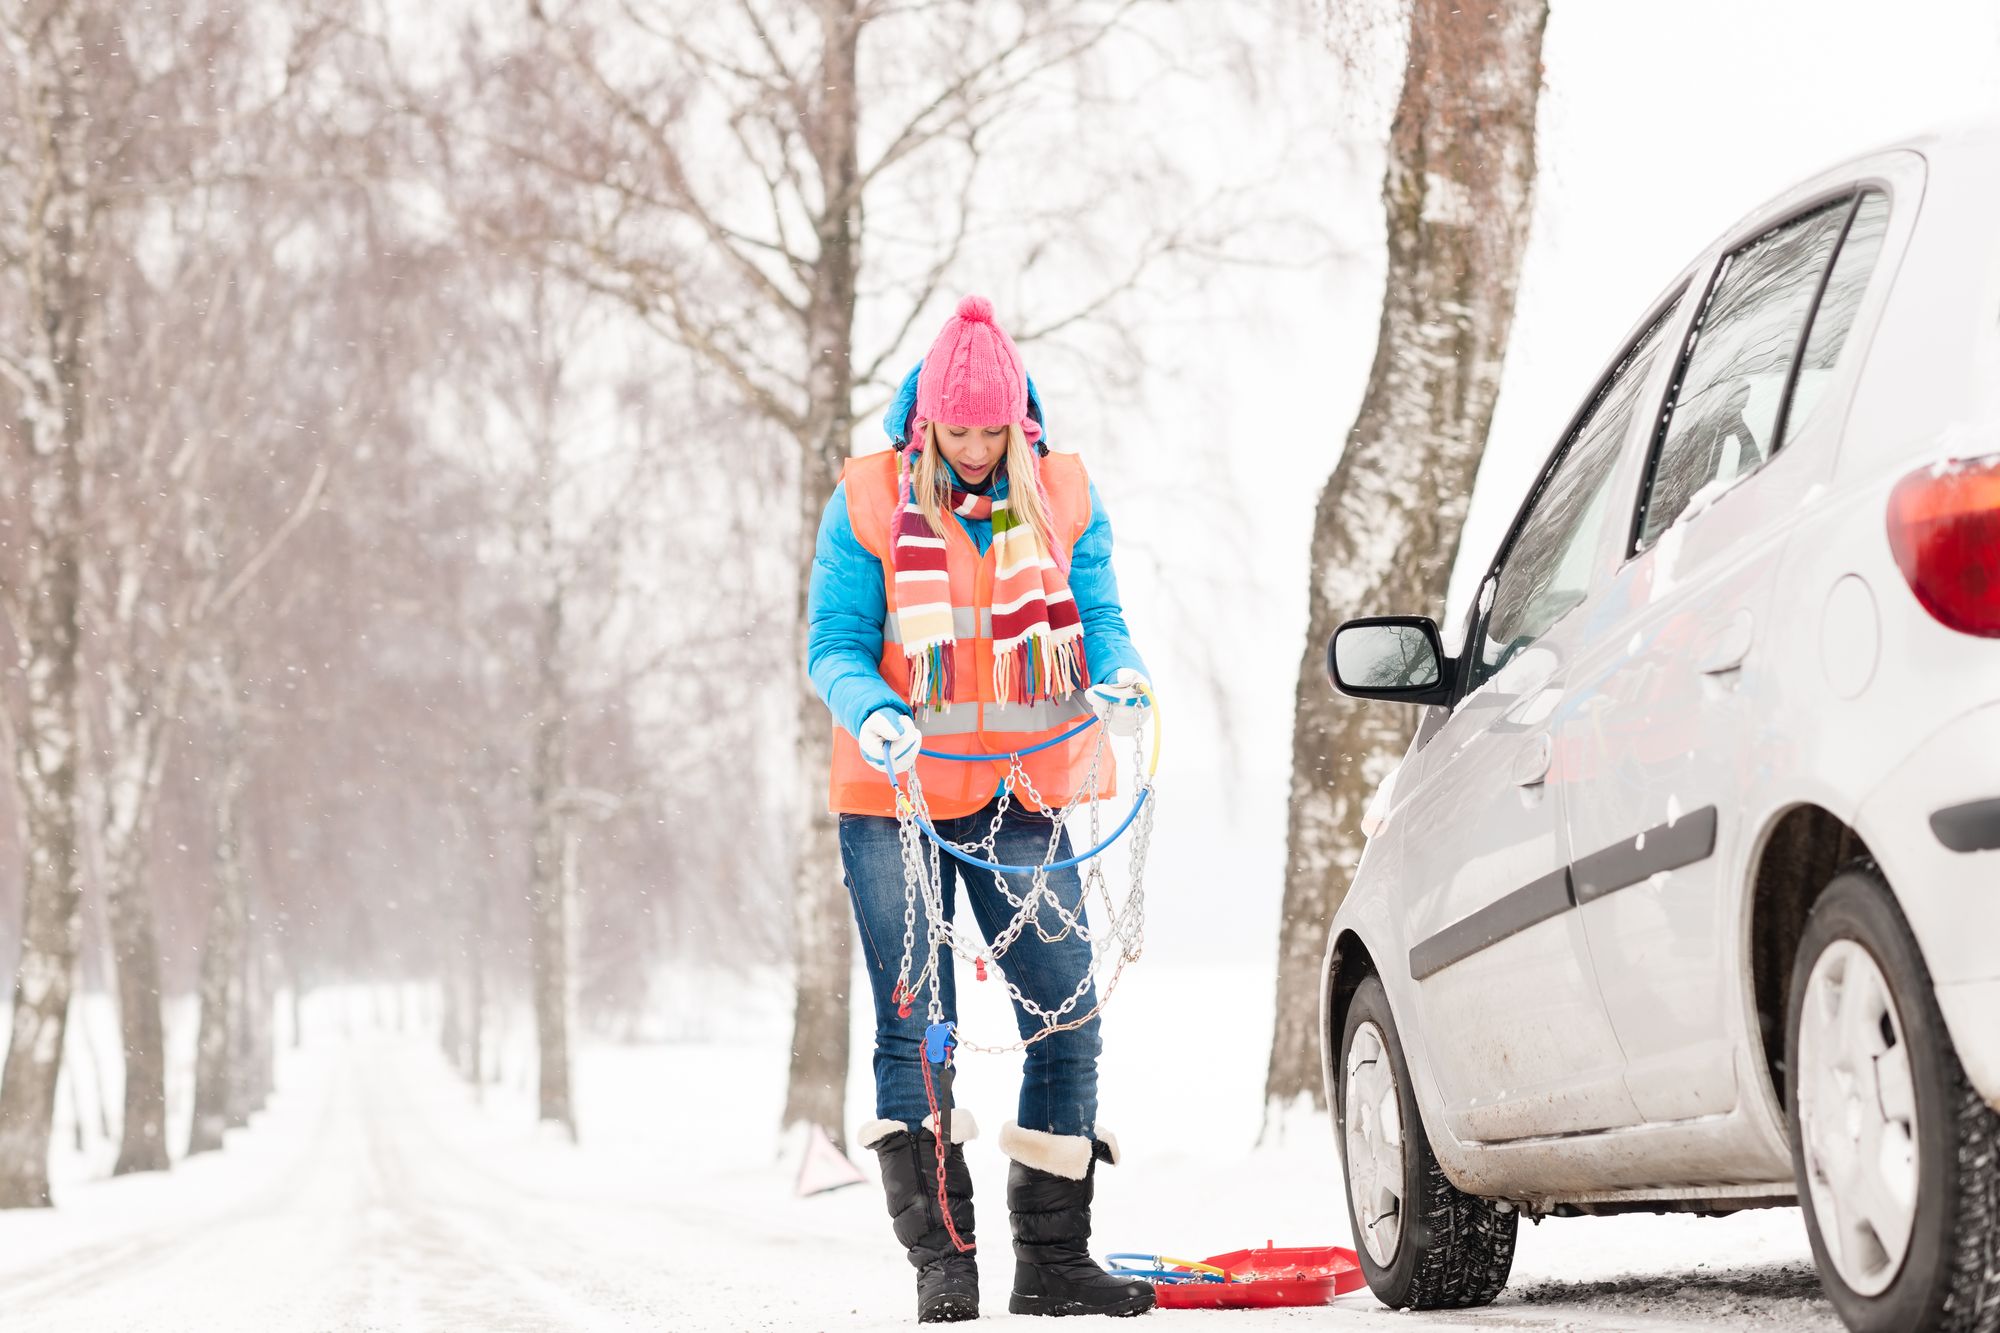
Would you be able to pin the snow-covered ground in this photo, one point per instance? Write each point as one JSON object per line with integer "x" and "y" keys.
{"x": 379, "y": 1192}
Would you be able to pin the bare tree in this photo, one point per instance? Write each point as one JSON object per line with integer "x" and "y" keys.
{"x": 46, "y": 247}
{"x": 1456, "y": 196}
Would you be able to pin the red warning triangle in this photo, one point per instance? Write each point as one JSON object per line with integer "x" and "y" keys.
{"x": 825, "y": 1167}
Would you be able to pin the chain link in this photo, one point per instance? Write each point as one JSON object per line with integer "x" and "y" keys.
{"x": 1119, "y": 938}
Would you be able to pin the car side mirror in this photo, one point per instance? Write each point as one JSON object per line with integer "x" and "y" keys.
{"x": 1397, "y": 658}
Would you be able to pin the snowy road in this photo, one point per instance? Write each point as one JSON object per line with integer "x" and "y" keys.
{"x": 377, "y": 1194}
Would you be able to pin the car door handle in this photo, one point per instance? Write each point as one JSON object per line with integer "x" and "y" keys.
{"x": 1532, "y": 763}
{"x": 1725, "y": 650}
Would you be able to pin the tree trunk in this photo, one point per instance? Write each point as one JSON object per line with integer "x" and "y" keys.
{"x": 143, "y": 1142}
{"x": 550, "y": 897}
{"x": 222, "y": 950}
{"x": 475, "y": 1068}
{"x": 46, "y": 770}
{"x": 451, "y": 1028}
{"x": 1457, "y": 195}
{"x": 134, "y": 728}
{"x": 553, "y": 862}
{"x": 264, "y": 1068}
{"x": 52, "y": 429}
{"x": 96, "y": 1066}
{"x": 248, "y": 1021}
{"x": 823, "y": 948}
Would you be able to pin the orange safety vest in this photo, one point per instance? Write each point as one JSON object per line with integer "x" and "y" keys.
{"x": 974, "y": 724}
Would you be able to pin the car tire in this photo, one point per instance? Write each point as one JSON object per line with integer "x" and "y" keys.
{"x": 1450, "y": 1249}
{"x": 1897, "y": 1158}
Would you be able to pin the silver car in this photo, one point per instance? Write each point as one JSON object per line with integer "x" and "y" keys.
{"x": 1686, "y": 897}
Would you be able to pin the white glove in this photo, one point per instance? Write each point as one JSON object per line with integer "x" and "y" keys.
{"x": 887, "y": 727}
{"x": 1118, "y": 702}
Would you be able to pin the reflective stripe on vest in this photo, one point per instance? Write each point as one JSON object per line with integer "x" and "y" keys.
{"x": 1005, "y": 719}
{"x": 967, "y": 622}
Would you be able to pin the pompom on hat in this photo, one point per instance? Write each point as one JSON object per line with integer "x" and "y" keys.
{"x": 973, "y": 375}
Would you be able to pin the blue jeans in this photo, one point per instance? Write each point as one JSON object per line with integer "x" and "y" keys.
{"x": 1059, "y": 1079}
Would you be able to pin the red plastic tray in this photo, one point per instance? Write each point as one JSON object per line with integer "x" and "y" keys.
{"x": 1272, "y": 1276}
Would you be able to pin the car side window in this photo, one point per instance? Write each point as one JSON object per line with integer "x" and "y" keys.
{"x": 1838, "y": 305}
{"x": 1720, "y": 424}
{"x": 1547, "y": 570}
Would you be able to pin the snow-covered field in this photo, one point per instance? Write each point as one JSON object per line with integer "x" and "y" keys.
{"x": 379, "y": 1192}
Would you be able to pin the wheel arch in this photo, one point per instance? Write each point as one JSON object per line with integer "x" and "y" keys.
{"x": 1800, "y": 851}
{"x": 1349, "y": 962}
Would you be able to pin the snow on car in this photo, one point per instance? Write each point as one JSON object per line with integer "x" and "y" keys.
{"x": 1685, "y": 897}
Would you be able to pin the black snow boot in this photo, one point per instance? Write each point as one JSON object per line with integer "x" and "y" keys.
{"x": 947, "y": 1278}
{"x": 1049, "y": 1188}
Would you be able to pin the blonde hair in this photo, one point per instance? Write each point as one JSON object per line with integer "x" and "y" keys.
{"x": 930, "y": 486}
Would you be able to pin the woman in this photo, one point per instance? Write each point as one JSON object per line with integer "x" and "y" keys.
{"x": 962, "y": 600}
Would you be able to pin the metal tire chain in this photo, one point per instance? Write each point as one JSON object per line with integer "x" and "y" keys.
{"x": 1127, "y": 927}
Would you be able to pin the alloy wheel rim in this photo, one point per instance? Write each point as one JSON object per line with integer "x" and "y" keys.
{"x": 1375, "y": 1144}
{"x": 1857, "y": 1117}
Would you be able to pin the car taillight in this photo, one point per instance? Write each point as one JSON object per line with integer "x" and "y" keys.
{"x": 1944, "y": 527}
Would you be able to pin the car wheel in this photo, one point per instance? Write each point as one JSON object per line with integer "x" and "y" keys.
{"x": 1424, "y": 1244}
{"x": 1897, "y": 1158}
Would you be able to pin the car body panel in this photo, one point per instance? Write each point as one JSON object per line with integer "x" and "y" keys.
{"x": 1676, "y": 721}
{"x": 1559, "y": 1067}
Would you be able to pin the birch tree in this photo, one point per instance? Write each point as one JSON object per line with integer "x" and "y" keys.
{"x": 1456, "y": 198}
{"x": 50, "y": 222}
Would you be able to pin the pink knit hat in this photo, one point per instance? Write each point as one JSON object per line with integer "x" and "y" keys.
{"x": 973, "y": 374}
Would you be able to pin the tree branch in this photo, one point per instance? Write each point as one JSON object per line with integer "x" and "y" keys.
{"x": 255, "y": 565}
{"x": 915, "y": 133}
{"x": 935, "y": 277}
{"x": 674, "y": 172}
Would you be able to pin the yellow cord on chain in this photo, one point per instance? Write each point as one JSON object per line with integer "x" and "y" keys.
{"x": 1152, "y": 701}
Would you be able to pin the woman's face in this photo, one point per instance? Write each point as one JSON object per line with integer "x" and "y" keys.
{"x": 972, "y": 451}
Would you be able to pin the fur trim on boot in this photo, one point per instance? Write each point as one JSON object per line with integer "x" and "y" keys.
{"x": 1065, "y": 1155}
{"x": 964, "y": 1128}
{"x": 1050, "y": 1186}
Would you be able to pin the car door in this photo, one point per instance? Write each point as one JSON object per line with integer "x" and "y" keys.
{"x": 1666, "y": 736}
{"x": 1518, "y": 1038}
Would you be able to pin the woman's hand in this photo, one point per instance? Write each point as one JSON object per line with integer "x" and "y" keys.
{"x": 889, "y": 741}
{"x": 1122, "y": 702}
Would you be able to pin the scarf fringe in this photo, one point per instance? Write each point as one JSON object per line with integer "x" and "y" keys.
{"x": 932, "y": 673}
{"x": 1040, "y": 667}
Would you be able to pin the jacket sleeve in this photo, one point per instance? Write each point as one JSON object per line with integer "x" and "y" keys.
{"x": 845, "y": 609}
{"x": 1107, "y": 644}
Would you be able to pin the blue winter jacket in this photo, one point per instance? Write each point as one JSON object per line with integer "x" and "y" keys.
{"x": 845, "y": 604}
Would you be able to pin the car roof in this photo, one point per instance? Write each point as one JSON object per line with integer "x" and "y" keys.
{"x": 1969, "y": 146}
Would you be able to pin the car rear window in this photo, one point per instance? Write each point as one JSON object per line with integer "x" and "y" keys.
{"x": 1838, "y": 306}
{"x": 1722, "y": 421}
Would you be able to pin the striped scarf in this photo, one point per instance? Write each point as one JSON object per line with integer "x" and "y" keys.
{"x": 1037, "y": 634}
